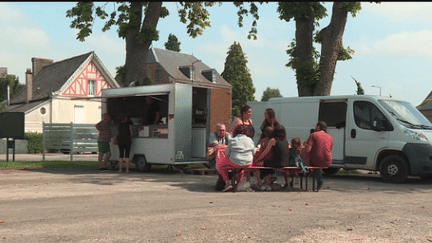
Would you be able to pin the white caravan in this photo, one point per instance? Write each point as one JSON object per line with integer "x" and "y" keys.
{"x": 178, "y": 140}
{"x": 373, "y": 133}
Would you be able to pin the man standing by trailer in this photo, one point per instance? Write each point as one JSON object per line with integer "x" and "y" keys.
{"x": 317, "y": 151}
{"x": 104, "y": 128}
{"x": 153, "y": 112}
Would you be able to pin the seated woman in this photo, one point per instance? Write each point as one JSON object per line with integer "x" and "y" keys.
{"x": 265, "y": 151}
{"x": 280, "y": 155}
{"x": 239, "y": 155}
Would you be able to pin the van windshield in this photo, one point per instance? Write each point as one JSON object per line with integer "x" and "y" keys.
{"x": 406, "y": 114}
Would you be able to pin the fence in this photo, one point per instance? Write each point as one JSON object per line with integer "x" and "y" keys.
{"x": 69, "y": 137}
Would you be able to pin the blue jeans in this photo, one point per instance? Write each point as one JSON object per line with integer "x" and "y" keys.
{"x": 319, "y": 177}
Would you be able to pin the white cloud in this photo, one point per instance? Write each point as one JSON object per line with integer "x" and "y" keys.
{"x": 400, "y": 11}
{"x": 18, "y": 32}
{"x": 107, "y": 44}
{"x": 10, "y": 14}
{"x": 404, "y": 44}
{"x": 25, "y": 38}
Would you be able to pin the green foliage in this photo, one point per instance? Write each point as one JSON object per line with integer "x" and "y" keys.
{"x": 197, "y": 15}
{"x": 270, "y": 93}
{"x": 352, "y": 7}
{"x": 237, "y": 74}
{"x": 253, "y": 10}
{"x": 148, "y": 81}
{"x": 307, "y": 72}
{"x": 308, "y": 69}
{"x": 35, "y": 142}
{"x": 301, "y": 11}
{"x": 345, "y": 54}
{"x": 52, "y": 164}
{"x": 125, "y": 16}
{"x": 360, "y": 90}
{"x": 172, "y": 44}
{"x": 3, "y": 107}
{"x": 14, "y": 86}
{"x": 137, "y": 24}
{"x": 120, "y": 75}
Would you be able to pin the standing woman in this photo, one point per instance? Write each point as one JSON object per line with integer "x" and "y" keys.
{"x": 245, "y": 120}
{"x": 125, "y": 133}
{"x": 269, "y": 121}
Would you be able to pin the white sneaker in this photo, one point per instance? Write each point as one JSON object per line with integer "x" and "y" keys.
{"x": 265, "y": 188}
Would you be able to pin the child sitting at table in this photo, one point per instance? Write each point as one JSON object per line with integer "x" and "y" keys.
{"x": 295, "y": 160}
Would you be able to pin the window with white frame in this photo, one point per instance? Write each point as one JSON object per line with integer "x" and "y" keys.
{"x": 91, "y": 88}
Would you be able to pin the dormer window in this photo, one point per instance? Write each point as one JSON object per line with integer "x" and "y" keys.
{"x": 210, "y": 75}
{"x": 91, "y": 88}
{"x": 187, "y": 71}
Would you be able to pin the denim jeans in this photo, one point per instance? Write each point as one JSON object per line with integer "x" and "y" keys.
{"x": 319, "y": 177}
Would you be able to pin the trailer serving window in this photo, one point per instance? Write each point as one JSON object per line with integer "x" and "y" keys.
{"x": 138, "y": 110}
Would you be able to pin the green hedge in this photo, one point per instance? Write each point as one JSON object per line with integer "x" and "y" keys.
{"x": 35, "y": 141}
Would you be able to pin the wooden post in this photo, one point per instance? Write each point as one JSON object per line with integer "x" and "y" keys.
{"x": 71, "y": 141}
{"x": 43, "y": 141}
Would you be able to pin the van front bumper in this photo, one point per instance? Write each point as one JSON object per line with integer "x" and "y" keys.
{"x": 420, "y": 158}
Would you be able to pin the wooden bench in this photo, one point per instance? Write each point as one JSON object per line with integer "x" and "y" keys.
{"x": 283, "y": 170}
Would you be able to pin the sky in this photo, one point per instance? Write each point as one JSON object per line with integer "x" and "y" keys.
{"x": 392, "y": 43}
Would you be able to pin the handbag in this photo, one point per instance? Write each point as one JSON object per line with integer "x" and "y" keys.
{"x": 115, "y": 140}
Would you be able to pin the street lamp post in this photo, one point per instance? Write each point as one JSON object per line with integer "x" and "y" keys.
{"x": 376, "y": 86}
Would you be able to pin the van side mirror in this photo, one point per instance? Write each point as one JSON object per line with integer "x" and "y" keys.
{"x": 380, "y": 124}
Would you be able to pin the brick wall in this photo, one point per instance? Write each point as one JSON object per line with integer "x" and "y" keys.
{"x": 154, "y": 70}
{"x": 427, "y": 114}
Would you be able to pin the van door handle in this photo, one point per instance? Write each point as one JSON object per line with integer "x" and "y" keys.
{"x": 353, "y": 133}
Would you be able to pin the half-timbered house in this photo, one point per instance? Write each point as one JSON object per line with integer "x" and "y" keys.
{"x": 52, "y": 88}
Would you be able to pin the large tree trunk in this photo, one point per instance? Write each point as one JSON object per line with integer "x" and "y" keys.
{"x": 136, "y": 51}
{"x": 303, "y": 51}
{"x": 330, "y": 48}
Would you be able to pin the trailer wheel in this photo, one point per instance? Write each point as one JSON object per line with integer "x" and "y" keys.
{"x": 394, "y": 169}
{"x": 141, "y": 164}
{"x": 331, "y": 170}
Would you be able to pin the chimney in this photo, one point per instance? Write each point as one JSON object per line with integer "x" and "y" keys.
{"x": 39, "y": 63}
{"x": 29, "y": 84}
{"x": 3, "y": 72}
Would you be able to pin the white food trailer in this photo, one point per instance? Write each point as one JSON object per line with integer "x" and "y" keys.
{"x": 181, "y": 136}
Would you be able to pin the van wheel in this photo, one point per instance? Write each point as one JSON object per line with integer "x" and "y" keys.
{"x": 331, "y": 170}
{"x": 394, "y": 169}
{"x": 141, "y": 164}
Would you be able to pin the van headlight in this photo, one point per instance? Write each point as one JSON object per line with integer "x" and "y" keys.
{"x": 415, "y": 135}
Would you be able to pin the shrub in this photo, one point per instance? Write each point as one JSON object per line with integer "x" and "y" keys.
{"x": 35, "y": 141}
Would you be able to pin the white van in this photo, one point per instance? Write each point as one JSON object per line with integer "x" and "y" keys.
{"x": 373, "y": 133}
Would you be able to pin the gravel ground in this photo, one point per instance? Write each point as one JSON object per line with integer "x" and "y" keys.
{"x": 82, "y": 205}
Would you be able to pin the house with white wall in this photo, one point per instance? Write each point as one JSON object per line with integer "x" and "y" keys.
{"x": 52, "y": 89}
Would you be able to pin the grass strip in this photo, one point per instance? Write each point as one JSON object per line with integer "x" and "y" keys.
{"x": 46, "y": 164}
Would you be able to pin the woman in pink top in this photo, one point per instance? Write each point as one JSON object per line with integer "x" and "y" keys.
{"x": 244, "y": 119}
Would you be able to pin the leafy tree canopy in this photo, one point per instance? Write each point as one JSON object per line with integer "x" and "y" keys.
{"x": 137, "y": 24}
{"x": 172, "y": 44}
{"x": 270, "y": 93}
{"x": 237, "y": 74}
{"x": 14, "y": 86}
